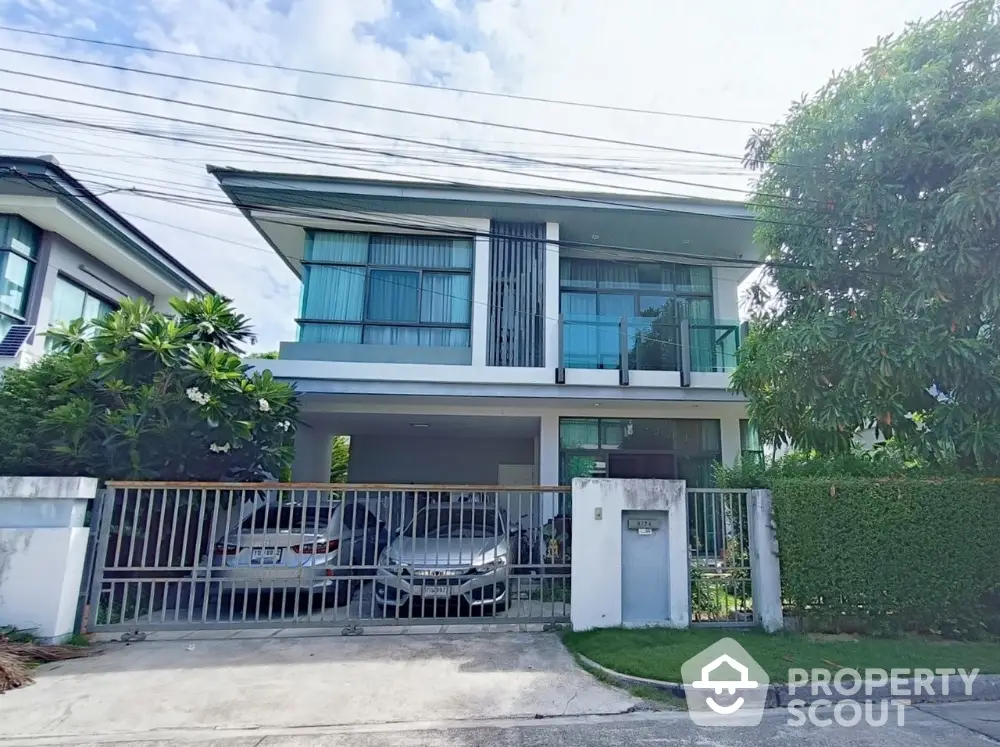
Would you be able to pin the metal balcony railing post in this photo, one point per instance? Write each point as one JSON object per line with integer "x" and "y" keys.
{"x": 623, "y": 351}
{"x": 685, "y": 352}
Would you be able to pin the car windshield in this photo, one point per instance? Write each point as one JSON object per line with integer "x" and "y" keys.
{"x": 446, "y": 522}
{"x": 289, "y": 518}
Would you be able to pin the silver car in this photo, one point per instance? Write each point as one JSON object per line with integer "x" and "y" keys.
{"x": 296, "y": 546}
{"x": 448, "y": 552}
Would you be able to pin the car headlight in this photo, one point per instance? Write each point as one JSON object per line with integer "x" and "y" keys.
{"x": 387, "y": 563}
{"x": 492, "y": 565}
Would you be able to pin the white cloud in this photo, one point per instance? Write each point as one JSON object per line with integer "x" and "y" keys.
{"x": 727, "y": 58}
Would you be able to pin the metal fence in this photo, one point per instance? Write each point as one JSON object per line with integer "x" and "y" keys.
{"x": 232, "y": 555}
{"x": 719, "y": 542}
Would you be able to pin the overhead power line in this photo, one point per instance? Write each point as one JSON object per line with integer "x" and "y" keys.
{"x": 362, "y": 105}
{"x": 395, "y": 138}
{"x": 303, "y": 207}
{"x": 385, "y": 81}
{"x": 564, "y": 196}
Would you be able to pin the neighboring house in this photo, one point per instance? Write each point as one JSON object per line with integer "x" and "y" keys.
{"x": 65, "y": 255}
{"x": 485, "y": 336}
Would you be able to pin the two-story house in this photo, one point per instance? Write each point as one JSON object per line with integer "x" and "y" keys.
{"x": 490, "y": 336}
{"x": 66, "y": 255}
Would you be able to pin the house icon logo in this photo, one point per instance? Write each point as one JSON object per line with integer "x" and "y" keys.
{"x": 724, "y": 686}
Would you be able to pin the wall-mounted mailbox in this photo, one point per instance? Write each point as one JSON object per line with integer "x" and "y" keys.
{"x": 640, "y": 524}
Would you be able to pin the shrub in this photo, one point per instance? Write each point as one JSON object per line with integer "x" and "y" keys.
{"x": 143, "y": 395}
{"x": 891, "y": 555}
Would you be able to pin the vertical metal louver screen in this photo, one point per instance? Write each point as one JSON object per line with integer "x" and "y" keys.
{"x": 517, "y": 294}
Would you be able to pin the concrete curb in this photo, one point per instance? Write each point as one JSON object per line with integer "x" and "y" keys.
{"x": 985, "y": 687}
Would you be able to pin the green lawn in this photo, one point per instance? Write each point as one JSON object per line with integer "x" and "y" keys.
{"x": 658, "y": 653}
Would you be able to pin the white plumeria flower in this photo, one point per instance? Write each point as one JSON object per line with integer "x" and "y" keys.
{"x": 264, "y": 405}
{"x": 196, "y": 395}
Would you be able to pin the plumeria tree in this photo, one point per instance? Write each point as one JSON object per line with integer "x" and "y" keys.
{"x": 144, "y": 395}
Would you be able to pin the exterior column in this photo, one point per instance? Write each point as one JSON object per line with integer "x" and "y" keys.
{"x": 481, "y": 293}
{"x": 548, "y": 462}
{"x": 551, "y": 305}
{"x": 313, "y": 455}
{"x": 730, "y": 433}
{"x": 765, "y": 571}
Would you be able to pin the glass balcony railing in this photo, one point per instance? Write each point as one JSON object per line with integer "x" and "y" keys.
{"x": 596, "y": 342}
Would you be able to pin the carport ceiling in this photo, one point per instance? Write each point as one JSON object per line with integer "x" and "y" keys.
{"x": 426, "y": 426}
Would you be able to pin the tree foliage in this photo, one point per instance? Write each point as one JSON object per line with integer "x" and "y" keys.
{"x": 341, "y": 457}
{"x": 878, "y": 205}
{"x": 144, "y": 395}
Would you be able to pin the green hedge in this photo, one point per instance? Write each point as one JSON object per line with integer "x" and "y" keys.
{"x": 891, "y": 555}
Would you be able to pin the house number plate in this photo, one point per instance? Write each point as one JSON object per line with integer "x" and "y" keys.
{"x": 645, "y": 526}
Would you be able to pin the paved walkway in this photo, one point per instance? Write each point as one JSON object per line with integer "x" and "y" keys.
{"x": 305, "y": 682}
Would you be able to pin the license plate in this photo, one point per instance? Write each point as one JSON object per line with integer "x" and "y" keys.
{"x": 265, "y": 555}
{"x": 436, "y": 591}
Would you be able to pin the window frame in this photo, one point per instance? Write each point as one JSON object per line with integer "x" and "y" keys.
{"x": 88, "y": 292}
{"x": 602, "y": 450}
{"x": 7, "y": 247}
{"x": 670, "y": 293}
{"x": 368, "y": 267}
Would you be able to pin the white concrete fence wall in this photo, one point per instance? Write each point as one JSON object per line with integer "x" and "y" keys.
{"x": 598, "y": 504}
{"x": 43, "y": 547}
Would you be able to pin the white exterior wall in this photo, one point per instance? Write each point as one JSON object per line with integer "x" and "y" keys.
{"x": 725, "y": 291}
{"x": 552, "y": 296}
{"x": 598, "y": 504}
{"x": 43, "y": 544}
{"x": 81, "y": 268}
{"x": 480, "y": 292}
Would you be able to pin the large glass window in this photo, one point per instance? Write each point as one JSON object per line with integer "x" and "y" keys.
{"x": 639, "y": 447}
{"x": 19, "y": 242}
{"x": 750, "y": 447}
{"x": 71, "y": 302}
{"x": 379, "y": 289}
{"x": 595, "y": 295}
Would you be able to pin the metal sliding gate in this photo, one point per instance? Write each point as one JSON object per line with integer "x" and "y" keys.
{"x": 719, "y": 543}
{"x": 190, "y": 556}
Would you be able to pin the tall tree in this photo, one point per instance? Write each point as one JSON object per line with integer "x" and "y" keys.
{"x": 878, "y": 205}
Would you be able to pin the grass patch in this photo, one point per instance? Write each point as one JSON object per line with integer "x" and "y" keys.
{"x": 658, "y": 653}
{"x": 661, "y": 698}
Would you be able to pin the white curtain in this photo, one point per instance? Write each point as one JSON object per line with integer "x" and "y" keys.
{"x": 333, "y": 293}
{"x": 445, "y": 298}
{"x": 337, "y": 246}
{"x": 420, "y": 251}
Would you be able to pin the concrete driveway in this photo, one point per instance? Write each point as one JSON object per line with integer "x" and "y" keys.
{"x": 282, "y": 682}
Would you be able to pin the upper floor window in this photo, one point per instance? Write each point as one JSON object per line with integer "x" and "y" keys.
{"x": 19, "y": 242}
{"x": 381, "y": 289}
{"x": 71, "y": 302}
{"x": 653, "y": 297}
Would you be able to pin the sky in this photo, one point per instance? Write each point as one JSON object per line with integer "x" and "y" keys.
{"x": 728, "y": 59}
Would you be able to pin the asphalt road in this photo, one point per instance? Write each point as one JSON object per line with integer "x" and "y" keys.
{"x": 955, "y": 725}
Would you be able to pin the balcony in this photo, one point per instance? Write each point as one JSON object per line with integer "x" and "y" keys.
{"x": 648, "y": 344}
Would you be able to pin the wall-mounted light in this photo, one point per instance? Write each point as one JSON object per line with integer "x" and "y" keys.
{"x": 419, "y": 425}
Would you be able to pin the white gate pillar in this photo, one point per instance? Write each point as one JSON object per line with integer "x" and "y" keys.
{"x": 765, "y": 572}
{"x": 43, "y": 546}
{"x": 599, "y": 533}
